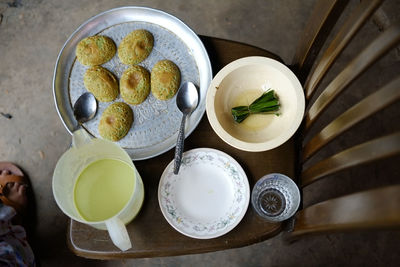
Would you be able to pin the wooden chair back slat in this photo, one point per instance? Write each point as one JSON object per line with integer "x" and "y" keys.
{"x": 381, "y": 45}
{"x": 323, "y": 18}
{"x": 342, "y": 39}
{"x": 372, "y": 209}
{"x": 375, "y": 149}
{"x": 378, "y": 208}
{"x": 370, "y": 105}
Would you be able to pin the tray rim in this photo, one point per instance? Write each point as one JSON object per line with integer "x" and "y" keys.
{"x": 65, "y": 112}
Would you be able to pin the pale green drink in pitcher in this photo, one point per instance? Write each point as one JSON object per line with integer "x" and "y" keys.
{"x": 103, "y": 189}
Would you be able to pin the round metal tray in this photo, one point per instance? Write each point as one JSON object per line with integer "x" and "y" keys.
{"x": 156, "y": 123}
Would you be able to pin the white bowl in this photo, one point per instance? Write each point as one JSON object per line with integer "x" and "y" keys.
{"x": 240, "y": 83}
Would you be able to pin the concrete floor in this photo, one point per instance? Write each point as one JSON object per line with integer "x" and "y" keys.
{"x": 31, "y": 36}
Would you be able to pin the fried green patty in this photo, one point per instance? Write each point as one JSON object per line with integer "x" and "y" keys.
{"x": 116, "y": 121}
{"x": 135, "y": 85}
{"x": 101, "y": 83}
{"x": 165, "y": 79}
{"x": 95, "y": 50}
{"x": 135, "y": 47}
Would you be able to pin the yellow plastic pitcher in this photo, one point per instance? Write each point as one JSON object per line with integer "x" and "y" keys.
{"x": 84, "y": 151}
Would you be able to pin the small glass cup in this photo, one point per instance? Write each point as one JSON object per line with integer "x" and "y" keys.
{"x": 275, "y": 197}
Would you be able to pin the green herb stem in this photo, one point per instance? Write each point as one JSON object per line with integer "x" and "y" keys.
{"x": 267, "y": 103}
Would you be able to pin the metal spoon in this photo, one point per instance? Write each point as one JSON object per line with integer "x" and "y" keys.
{"x": 187, "y": 101}
{"x": 85, "y": 108}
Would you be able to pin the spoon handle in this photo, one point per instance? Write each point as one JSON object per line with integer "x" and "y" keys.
{"x": 179, "y": 145}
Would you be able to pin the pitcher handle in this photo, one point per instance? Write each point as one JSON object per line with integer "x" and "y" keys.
{"x": 118, "y": 233}
{"x": 80, "y": 137}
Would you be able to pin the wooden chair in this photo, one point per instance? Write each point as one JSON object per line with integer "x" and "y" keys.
{"x": 298, "y": 158}
{"x": 376, "y": 208}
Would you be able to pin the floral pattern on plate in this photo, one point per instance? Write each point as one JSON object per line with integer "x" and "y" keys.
{"x": 208, "y": 197}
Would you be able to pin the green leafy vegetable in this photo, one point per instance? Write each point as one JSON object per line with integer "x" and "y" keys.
{"x": 267, "y": 103}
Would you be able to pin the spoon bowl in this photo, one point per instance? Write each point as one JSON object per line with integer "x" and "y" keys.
{"x": 187, "y": 100}
{"x": 85, "y": 108}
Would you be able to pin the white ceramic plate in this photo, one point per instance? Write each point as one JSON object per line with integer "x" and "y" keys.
{"x": 208, "y": 197}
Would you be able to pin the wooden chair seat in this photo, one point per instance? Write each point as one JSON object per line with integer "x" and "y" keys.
{"x": 150, "y": 233}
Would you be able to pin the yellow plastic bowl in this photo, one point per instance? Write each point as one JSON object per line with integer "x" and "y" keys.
{"x": 240, "y": 83}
